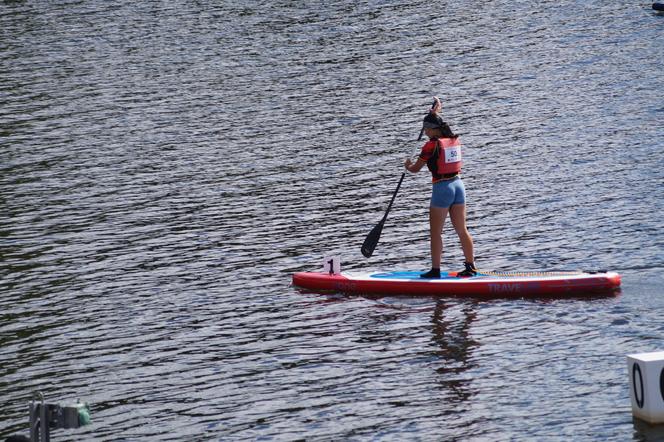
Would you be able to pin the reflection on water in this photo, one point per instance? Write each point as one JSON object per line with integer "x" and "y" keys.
{"x": 451, "y": 333}
{"x": 643, "y": 431}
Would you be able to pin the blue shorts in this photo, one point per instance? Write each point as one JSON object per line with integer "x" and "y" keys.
{"x": 447, "y": 193}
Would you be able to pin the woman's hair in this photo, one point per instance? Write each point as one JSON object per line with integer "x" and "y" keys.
{"x": 447, "y": 131}
{"x": 435, "y": 121}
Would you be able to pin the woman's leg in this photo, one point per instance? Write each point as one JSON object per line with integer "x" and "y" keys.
{"x": 458, "y": 218}
{"x": 437, "y": 217}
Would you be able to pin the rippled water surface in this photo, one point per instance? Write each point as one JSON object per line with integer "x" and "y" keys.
{"x": 166, "y": 166}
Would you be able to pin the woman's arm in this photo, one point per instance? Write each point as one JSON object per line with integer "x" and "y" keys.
{"x": 414, "y": 167}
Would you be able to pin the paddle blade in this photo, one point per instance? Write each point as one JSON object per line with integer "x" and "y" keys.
{"x": 371, "y": 240}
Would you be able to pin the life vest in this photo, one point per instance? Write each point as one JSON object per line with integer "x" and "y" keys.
{"x": 446, "y": 158}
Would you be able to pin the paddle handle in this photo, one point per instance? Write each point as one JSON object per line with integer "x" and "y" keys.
{"x": 433, "y": 106}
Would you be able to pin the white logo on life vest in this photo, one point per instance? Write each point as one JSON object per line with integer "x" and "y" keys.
{"x": 453, "y": 154}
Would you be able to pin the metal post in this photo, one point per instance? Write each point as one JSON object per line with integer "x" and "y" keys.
{"x": 44, "y": 424}
{"x": 34, "y": 420}
{"x": 39, "y": 425}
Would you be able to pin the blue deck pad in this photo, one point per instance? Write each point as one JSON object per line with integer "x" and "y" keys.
{"x": 406, "y": 274}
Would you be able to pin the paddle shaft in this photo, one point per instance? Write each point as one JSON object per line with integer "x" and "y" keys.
{"x": 371, "y": 241}
{"x": 394, "y": 195}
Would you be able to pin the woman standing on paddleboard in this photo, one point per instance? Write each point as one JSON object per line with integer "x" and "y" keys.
{"x": 442, "y": 155}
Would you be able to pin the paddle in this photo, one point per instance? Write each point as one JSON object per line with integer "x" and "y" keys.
{"x": 371, "y": 241}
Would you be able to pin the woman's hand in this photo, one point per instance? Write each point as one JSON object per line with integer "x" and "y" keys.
{"x": 414, "y": 167}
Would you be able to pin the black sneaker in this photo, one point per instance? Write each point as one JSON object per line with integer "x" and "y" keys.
{"x": 469, "y": 270}
{"x": 431, "y": 274}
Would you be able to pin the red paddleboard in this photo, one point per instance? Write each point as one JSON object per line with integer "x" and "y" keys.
{"x": 484, "y": 284}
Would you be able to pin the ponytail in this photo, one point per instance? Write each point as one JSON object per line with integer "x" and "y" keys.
{"x": 447, "y": 131}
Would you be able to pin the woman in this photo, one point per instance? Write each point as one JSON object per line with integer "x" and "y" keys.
{"x": 442, "y": 155}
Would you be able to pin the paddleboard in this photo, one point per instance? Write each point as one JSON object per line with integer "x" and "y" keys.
{"x": 484, "y": 284}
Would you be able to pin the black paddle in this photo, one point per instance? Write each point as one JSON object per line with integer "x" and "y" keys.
{"x": 371, "y": 241}
{"x": 372, "y": 238}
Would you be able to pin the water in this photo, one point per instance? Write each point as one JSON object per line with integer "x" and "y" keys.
{"x": 166, "y": 166}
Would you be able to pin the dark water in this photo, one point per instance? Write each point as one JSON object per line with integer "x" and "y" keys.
{"x": 165, "y": 167}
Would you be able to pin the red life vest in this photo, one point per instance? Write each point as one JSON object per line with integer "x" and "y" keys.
{"x": 446, "y": 157}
